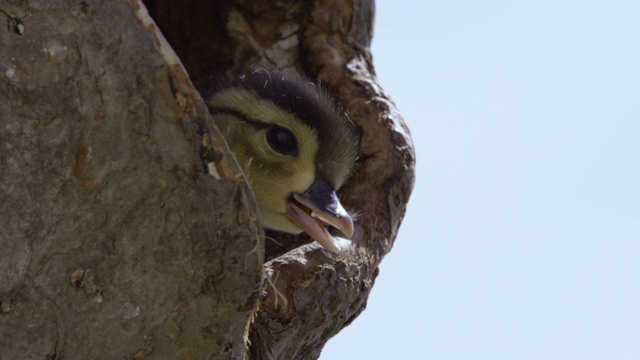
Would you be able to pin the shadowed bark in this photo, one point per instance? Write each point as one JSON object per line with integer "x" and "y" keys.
{"x": 126, "y": 227}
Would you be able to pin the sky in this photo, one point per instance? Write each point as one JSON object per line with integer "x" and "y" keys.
{"x": 522, "y": 235}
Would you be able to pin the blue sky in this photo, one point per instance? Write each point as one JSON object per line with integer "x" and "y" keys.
{"x": 522, "y": 237}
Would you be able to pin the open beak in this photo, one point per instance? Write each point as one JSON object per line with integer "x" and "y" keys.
{"x": 320, "y": 202}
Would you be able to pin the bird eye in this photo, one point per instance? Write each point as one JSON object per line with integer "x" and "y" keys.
{"x": 282, "y": 141}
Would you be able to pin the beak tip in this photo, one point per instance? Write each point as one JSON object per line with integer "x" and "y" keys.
{"x": 347, "y": 227}
{"x": 322, "y": 201}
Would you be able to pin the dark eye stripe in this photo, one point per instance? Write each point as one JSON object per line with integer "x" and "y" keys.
{"x": 314, "y": 106}
{"x": 258, "y": 124}
{"x": 280, "y": 139}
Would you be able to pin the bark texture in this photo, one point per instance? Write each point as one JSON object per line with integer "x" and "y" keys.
{"x": 115, "y": 243}
{"x": 126, "y": 227}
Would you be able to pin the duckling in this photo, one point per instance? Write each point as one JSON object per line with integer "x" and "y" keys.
{"x": 295, "y": 146}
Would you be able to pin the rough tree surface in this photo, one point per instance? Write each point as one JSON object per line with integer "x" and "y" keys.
{"x": 127, "y": 230}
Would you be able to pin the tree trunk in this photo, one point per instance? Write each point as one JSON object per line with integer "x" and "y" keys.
{"x": 127, "y": 230}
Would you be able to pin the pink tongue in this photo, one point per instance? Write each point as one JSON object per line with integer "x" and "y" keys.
{"x": 311, "y": 226}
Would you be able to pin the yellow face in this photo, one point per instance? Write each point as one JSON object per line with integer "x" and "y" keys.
{"x": 276, "y": 151}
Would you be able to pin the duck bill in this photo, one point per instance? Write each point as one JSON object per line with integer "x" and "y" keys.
{"x": 312, "y": 226}
{"x": 322, "y": 203}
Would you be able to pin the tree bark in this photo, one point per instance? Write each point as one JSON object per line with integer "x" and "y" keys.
{"x": 127, "y": 230}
